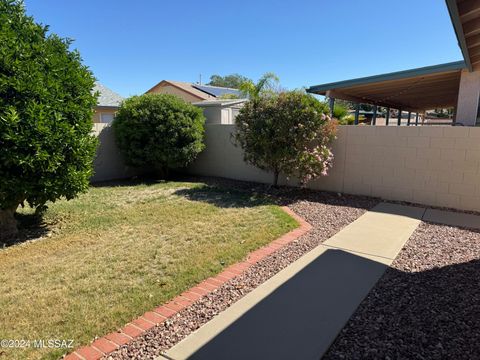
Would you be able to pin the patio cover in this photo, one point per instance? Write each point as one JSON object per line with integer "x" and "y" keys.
{"x": 465, "y": 16}
{"x": 411, "y": 90}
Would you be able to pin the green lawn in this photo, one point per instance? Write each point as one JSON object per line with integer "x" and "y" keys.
{"x": 116, "y": 252}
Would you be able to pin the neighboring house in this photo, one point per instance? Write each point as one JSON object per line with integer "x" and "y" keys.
{"x": 192, "y": 92}
{"x": 220, "y": 111}
{"x": 455, "y": 84}
{"x": 108, "y": 103}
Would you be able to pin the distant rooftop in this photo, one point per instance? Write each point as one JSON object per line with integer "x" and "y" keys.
{"x": 107, "y": 97}
{"x": 217, "y": 91}
{"x": 220, "y": 102}
{"x": 202, "y": 92}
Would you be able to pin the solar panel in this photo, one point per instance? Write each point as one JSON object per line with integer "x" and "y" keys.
{"x": 217, "y": 91}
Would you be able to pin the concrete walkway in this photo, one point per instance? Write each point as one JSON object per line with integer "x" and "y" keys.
{"x": 452, "y": 218}
{"x": 298, "y": 313}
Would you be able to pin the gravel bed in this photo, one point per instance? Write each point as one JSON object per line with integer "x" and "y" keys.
{"x": 426, "y": 306}
{"x": 326, "y": 212}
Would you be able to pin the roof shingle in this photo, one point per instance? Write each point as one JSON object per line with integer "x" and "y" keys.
{"x": 107, "y": 97}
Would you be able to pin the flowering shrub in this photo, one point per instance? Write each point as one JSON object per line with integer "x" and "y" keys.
{"x": 289, "y": 133}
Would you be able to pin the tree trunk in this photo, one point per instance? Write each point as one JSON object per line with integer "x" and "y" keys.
{"x": 8, "y": 224}
{"x": 275, "y": 178}
{"x": 161, "y": 172}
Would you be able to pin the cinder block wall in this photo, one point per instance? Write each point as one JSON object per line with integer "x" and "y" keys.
{"x": 109, "y": 163}
{"x": 436, "y": 165}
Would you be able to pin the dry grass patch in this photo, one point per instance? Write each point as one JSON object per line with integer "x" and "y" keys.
{"x": 116, "y": 252}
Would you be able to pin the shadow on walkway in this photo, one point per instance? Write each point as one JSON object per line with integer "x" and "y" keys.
{"x": 431, "y": 314}
{"x": 301, "y": 317}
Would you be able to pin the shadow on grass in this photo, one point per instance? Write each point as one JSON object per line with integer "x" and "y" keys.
{"x": 145, "y": 179}
{"x": 224, "y": 197}
{"x": 261, "y": 194}
{"x": 128, "y": 182}
{"x": 224, "y": 192}
{"x": 30, "y": 227}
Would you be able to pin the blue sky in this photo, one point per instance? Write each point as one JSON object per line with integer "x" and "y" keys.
{"x": 132, "y": 45}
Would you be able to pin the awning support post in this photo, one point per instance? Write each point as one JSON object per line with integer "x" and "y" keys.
{"x": 332, "y": 106}
{"x": 374, "y": 118}
{"x": 387, "y": 117}
{"x": 416, "y": 119}
{"x": 357, "y": 113}
{"x": 399, "y": 121}
{"x": 409, "y": 116}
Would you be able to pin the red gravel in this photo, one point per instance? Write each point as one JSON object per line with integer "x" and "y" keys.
{"x": 427, "y": 306}
{"x": 326, "y": 212}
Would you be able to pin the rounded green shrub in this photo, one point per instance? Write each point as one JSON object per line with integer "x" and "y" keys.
{"x": 46, "y": 108}
{"x": 159, "y": 131}
{"x": 347, "y": 120}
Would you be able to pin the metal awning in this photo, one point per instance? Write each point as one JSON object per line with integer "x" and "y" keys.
{"x": 411, "y": 90}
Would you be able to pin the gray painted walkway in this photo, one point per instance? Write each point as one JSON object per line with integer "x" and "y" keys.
{"x": 298, "y": 313}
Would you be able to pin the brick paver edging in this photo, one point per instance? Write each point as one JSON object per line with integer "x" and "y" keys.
{"x": 111, "y": 342}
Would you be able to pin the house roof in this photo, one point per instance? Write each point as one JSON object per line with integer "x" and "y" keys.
{"x": 415, "y": 89}
{"x": 185, "y": 86}
{"x": 107, "y": 97}
{"x": 203, "y": 92}
{"x": 220, "y": 102}
{"x": 465, "y": 16}
{"x": 218, "y": 91}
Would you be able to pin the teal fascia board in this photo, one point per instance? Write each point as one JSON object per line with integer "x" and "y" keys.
{"x": 457, "y": 25}
{"x": 453, "y": 66}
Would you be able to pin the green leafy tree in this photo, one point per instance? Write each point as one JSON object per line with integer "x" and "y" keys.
{"x": 350, "y": 105}
{"x": 160, "y": 131}
{"x": 264, "y": 85}
{"x": 289, "y": 133}
{"x": 229, "y": 96}
{"x": 231, "y": 81}
{"x": 46, "y": 108}
{"x": 339, "y": 111}
{"x": 366, "y": 107}
{"x": 341, "y": 115}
